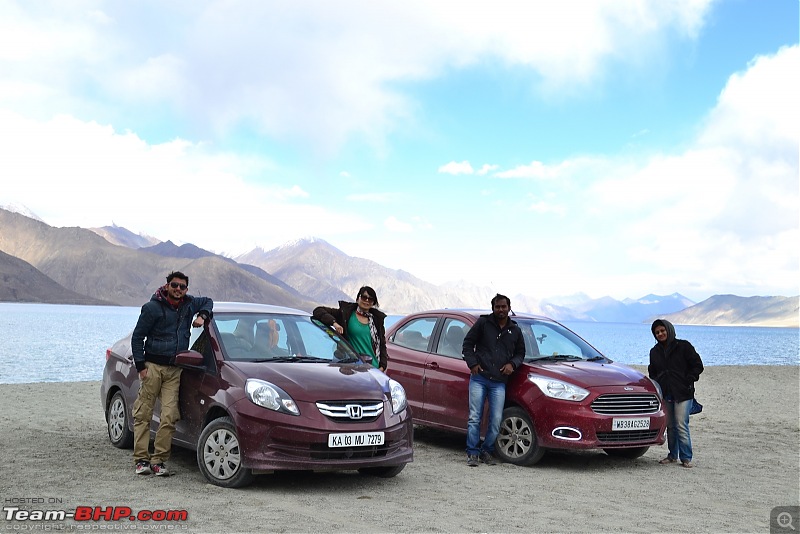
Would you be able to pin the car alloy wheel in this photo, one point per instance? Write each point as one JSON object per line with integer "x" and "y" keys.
{"x": 516, "y": 443}
{"x": 117, "y": 419}
{"x": 219, "y": 455}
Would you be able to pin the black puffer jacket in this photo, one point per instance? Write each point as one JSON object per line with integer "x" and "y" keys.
{"x": 675, "y": 365}
{"x": 163, "y": 331}
{"x": 492, "y": 347}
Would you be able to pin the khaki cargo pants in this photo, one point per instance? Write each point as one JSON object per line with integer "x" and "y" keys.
{"x": 162, "y": 381}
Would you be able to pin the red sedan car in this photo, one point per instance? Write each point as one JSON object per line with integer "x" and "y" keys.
{"x": 566, "y": 395}
{"x": 265, "y": 388}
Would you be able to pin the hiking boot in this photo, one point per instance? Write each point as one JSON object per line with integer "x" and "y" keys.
{"x": 160, "y": 470}
{"x": 487, "y": 458}
{"x": 472, "y": 460}
{"x": 143, "y": 467}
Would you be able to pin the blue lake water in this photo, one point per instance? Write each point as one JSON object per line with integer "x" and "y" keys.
{"x": 62, "y": 343}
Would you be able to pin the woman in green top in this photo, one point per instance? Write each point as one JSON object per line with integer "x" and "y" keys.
{"x": 361, "y": 323}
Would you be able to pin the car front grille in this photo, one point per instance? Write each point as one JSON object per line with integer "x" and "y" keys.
{"x": 625, "y": 404}
{"x": 351, "y": 411}
{"x": 627, "y": 436}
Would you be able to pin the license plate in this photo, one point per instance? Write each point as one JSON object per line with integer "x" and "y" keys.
{"x": 355, "y": 439}
{"x": 630, "y": 423}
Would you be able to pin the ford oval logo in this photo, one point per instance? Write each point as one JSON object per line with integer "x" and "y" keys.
{"x": 354, "y": 411}
{"x": 628, "y": 388}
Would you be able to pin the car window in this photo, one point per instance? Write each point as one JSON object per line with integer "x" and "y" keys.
{"x": 451, "y": 339}
{"x": 415, "y": 334}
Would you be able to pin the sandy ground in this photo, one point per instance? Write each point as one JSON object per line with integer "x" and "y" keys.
{"x": 55, "y": 454}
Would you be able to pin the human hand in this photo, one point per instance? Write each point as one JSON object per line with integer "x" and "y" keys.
{"x": 198, "y": 322}
{"x": 143, "y": 374}
{"x": 507, "y": 369}
{"x": 336, "y": 326}
{"x": 475, "y": 369}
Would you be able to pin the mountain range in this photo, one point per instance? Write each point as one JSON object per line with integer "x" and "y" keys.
{"x": 114, "y": 266}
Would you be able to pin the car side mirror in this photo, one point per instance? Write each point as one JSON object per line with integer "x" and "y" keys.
{"x": 190, "y": 360}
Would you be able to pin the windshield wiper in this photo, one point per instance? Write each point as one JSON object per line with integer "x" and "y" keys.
{"x": 596, "y": 358}
{"x": 291, "y": 359}
{"x": 560, "y": 357}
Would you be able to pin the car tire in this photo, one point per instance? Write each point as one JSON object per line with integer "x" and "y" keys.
{"x": 117, "y": 422}
{"x": 387, "y": 471}
{"x": 517, "y": 442}
{"x": 630, "y": 453}
{"x": 219, "y": 455}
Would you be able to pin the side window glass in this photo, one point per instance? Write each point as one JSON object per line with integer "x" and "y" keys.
{"x": 415, "y": 335}
{"x": 452, "y": 338}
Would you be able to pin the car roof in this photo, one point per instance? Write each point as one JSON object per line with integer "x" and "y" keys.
{"x": 476, "y": 312}
{"x": 250, "y": 307}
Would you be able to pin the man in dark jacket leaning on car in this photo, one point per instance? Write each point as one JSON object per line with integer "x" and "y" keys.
{"x": 162, "y": 331}
{"x": 493, "y": 349}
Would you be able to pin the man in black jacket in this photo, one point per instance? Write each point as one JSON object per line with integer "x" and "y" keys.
{"x": 676, "y": 366}
{"x": 493, "y": 349}
{"x": 162, "y": 331}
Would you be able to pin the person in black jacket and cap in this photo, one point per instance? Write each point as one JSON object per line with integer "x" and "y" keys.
{"x": 676, "y": 366}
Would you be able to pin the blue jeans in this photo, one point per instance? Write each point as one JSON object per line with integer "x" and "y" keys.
{"x": 678, "y": 439}
{"x": 481, "y": 388}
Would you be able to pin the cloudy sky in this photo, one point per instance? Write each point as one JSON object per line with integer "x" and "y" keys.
{"x": 608, "y": 147}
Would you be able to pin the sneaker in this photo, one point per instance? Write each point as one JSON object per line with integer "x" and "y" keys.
{"x": 160, "y": 470}
{"x": 487, "y": 458}
{"x": 143, "y": 467}
{"x": 472, "y": 460}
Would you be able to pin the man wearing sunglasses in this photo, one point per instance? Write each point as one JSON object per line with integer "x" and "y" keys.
{"x": 361, "y": 323}
{"x": 162, "y": 331}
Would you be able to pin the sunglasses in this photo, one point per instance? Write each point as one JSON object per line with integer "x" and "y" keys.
{"x": 176, "y": 285}
{"x": 367, "y": 298}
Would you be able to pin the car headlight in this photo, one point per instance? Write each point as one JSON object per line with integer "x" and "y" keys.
{"x": 270, "y": 396}
{"x": 558, "y": 389}
{"x": 398, "y": 396}
{"x": 657, "y": 386}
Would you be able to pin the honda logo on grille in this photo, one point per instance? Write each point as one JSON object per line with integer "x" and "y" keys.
{"x": 628, "y": 388}
{"x": 355, "y": 411}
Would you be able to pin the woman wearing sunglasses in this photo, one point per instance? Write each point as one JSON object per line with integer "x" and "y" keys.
{"x": 361, "y": 323}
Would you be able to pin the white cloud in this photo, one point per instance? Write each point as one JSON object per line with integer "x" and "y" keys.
{"x": 486, "y": 169}
{"x": 393, "y": 224}
{"x": 225, "y": 62}
{"x": 455, "y": 168}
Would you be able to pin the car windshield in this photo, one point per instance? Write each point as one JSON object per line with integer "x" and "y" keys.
{"x": 258, "y": 337}
{"x": 545, "y": 340}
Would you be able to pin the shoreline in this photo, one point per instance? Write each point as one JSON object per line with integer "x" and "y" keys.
{"x": 56, "y": 449}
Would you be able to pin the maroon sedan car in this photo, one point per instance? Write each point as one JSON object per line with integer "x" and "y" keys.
{"x": 265, "y": 388}
{"x": 566, "y": 395}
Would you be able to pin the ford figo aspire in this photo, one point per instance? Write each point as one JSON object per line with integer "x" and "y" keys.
{"x": 566, "y": 395}
{"x": 265, "y": 388}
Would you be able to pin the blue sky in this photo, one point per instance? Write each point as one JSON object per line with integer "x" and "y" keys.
{"x": 612, "y": 148}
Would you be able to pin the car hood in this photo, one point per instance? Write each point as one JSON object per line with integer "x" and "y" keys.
{"x": 310, "y": 382}
{"x": 590, "y": 374}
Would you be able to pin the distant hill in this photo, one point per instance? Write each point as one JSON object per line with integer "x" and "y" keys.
{"x": 580, "y": 307}
{"x": 22, "y": 282}
{"x": 316, "y": 268}
{"x": 733, "y": 310}
{"x": 83, "y": 262}
{"x": 116, "y": 235}
{"x": 40, "y": 263}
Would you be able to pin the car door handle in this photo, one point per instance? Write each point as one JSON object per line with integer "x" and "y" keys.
{"x": 431, "y": 365}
